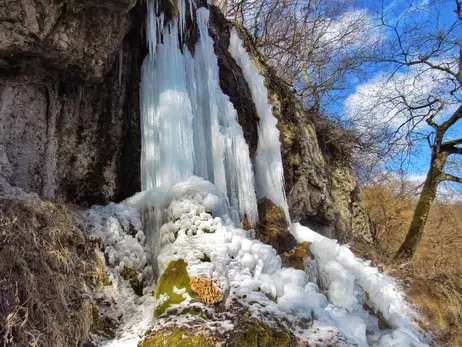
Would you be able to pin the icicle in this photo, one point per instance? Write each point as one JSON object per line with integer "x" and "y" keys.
{"x": 160, "y": 25}
{"x": 167, "y": 151}
{"x": 225, "y": 151}
{"x": 191, "y": 11}
{"x": 151, "y": 28}
{"x": 182, "y": 17}
{"x": 268, "y": 162}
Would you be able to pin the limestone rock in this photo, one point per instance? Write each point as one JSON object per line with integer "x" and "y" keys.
{"x": 77, "y": 37}
{"x": 272, "y": 228}
{"x": 70, "y": 139}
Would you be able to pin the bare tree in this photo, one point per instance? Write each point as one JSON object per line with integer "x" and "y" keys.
{"x": 313, "y": 44}
{"x": 419, "y": 99}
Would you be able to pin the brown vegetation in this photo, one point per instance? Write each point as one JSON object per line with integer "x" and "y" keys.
{"x": 46, "y": 264}
{"x": 208, "y": 290}
{"x": 433, "y": 280}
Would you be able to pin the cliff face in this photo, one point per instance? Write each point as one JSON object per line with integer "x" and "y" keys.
{"x": 69, "y": 95}
{"x": 69, "y": 76}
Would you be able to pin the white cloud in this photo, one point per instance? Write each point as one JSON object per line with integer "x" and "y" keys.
{"x": 381, "y": 104}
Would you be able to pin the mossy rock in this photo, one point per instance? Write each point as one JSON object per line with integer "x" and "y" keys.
{"x": 131, "y": 276}
{"x": 176, "y": 339}
{"x": 176, "y": 275}
{"x": 296, "y": 258}
{"x": 246, "y": 225}
{"x": 105, "y": 279}
{"x": 272, "y": 228}
{"x": 261, "y": 335}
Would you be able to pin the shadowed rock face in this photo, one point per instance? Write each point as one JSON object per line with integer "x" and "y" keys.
{"x": 70, "y": 111}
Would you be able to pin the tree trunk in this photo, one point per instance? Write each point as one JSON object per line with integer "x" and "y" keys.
{"x": 416, "y": 229}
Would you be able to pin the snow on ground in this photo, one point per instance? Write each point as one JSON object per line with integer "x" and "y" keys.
{"x": 199, "y": 227}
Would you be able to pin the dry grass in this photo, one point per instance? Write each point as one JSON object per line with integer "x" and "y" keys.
{"x": 433, "y": 280}
{"x": 45, "y": 265}
{"x": 208, "y": 290}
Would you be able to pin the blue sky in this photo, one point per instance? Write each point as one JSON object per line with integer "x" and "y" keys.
{"x": 428, "y": 17}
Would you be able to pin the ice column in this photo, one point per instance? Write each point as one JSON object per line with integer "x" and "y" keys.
{"x": 269, "y": 174}
{"x": 189, "y": 126}
{"x": 166, "y": 112}
{"x": 231, "y": 166}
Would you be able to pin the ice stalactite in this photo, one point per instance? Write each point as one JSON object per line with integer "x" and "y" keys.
{"x": 232, "y": 168}
{"x": 189, "y": 126}
{"x": 269, "y": 173}
{"x": 166, "y": 115}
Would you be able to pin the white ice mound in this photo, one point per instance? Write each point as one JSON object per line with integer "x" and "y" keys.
{"x": 120, "y": 228}
{"x": 199, "y": 227}
{"x": 350, "y": 282}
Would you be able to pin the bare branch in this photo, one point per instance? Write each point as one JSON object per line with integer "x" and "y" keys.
{"x": 449, "y": 177}
{"x": 453, "y": 119}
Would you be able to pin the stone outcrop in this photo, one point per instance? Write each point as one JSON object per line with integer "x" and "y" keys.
{"x": 272, "y": 227}
{"x": 69, "y": 80}
{"x": 76, "y": 37}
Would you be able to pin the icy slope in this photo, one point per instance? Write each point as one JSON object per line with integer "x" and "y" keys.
{"x": 250, "y": 273}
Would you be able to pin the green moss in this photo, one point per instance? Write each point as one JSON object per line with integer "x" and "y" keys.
{"x": 261, "y": 335}
{"x": 131, "y": 276}
{"x": 288, "y": 133}
{"x": 105, "y": 279}
{"x": 177, "y": 276}
{"x": 176, "y": 339}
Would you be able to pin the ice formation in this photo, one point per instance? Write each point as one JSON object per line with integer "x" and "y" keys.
{"x": 189, "y": 125}
{"x": 331, "y": 293}
{"x": 269, "y": 174}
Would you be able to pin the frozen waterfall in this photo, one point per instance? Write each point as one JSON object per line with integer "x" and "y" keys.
{"x": 269, "y": 171}
{"x": 190, "y": 127}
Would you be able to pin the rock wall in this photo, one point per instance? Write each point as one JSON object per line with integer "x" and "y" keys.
{"x": 69, "y": 80}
